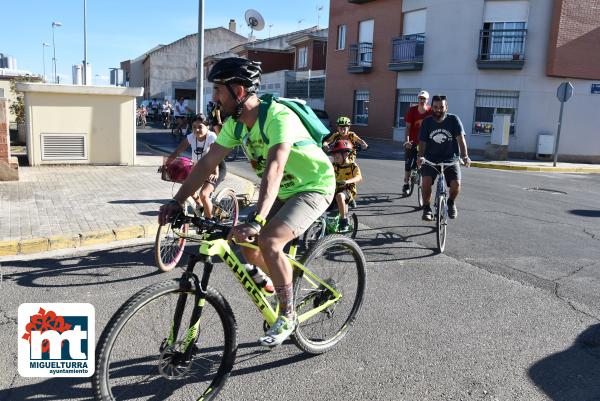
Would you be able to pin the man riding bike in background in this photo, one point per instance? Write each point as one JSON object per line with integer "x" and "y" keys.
{"x": 297, "y": 186}
{"x": 441, "y": 140}
{"x": 413, "y": 119}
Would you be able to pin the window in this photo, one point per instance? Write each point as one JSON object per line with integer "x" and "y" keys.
{"x": 490, "y": 102}
{"x": 341, "y": 39}
{"x": 365, "y": 42}
{"x": 302, "y": 57}
{"x": 361, "y": 107}
{"x": 404, "y": 99}
{"x": 505, "y": 40}
{"x": 1, "y": 92}
{"x": 413, "y": 22}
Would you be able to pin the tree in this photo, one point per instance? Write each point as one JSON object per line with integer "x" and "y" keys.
{"x": 17, "y": 107}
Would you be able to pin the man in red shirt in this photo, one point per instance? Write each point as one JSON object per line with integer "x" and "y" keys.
{"x": 413, "y": 119}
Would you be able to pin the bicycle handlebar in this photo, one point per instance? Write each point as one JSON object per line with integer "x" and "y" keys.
{"x": 202, "y": 223}
{"x": 432, "y": 164}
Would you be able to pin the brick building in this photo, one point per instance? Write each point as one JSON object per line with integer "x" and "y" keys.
{"x": 492, "y": 58}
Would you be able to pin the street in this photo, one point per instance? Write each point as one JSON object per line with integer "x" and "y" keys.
{"x": 510, "y": 312}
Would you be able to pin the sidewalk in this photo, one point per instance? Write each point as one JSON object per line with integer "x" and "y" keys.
{"x": 56, "y": 207}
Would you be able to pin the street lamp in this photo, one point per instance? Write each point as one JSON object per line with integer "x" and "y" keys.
{"x": 54, "y": 24}
{"x": 44, "y": 45}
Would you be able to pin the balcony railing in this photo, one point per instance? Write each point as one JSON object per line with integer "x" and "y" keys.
{"x": 360, "y": 57}
{"x": 502, "y": 49}
{"x": 407, "y": 53}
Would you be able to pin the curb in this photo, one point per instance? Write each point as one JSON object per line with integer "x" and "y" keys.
{"x": 537, "y": 169}
{"x": 38, "y": 245}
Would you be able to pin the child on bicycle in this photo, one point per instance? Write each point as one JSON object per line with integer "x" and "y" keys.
{"x": 347, "y": 175}
{"x": 343, "y": 132}
{"x": 200, "y": 140}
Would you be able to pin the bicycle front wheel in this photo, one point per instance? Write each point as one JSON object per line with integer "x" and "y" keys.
{"x": 340, "y": 263}
{"x": 168, "y": 247}
{"x": 441, "y": 223}
{"x": 419, "y": 189}
{"x": 134, "y": 362}
{"x": 228, "y": 208}
{"x": 313, "y": 233}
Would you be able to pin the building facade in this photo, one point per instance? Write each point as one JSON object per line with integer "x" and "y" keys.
{"x": 497, "y": 61}
{"x": 170, "y": 70}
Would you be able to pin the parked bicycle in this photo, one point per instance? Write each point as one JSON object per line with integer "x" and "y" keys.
{"x": 184, "y": 331}
{"x": 440, "y": 207}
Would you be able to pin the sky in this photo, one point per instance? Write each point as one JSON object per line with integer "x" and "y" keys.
{"x": 119, "y": 30}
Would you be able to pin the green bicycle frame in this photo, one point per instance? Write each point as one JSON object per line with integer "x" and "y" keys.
{"x": 221, "y": 249}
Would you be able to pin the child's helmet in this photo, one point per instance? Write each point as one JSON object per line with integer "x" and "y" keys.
{"x": 342, "y": 145}
{"x": 343, "y": 121}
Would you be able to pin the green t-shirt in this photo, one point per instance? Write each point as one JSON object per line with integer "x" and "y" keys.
{"x": 308, "y": 168}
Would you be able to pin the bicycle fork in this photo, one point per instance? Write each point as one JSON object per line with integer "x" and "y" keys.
{"x": 199, "y": 288}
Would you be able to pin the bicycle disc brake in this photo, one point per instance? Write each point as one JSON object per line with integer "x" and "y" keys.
{"x": 173, "y": 362}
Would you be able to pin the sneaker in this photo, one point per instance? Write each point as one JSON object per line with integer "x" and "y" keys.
{"x": 279, "y": 332}
{"x": 427, "y": 214}
{"x": 405, "y": 189}
{"x": 261, "y": 279}
{"x": 452, "y": 211}
{"x": 344, "y": 225}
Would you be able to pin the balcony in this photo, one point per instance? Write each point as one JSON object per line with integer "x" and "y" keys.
{"x": 360, "y": 58}
{"x": 407, "y": 53}
{"x": 501, "y": 49}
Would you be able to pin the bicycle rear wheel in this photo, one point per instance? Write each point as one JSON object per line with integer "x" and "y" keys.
{"x": 441, "y": 223}
{"x": 229, "y": 212}
{"x": 339, "y": 262}
{"x": 133, "y": 360}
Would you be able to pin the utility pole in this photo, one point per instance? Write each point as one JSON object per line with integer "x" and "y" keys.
{"x": 84, "y": 43}
{"x": 200, "y": 61}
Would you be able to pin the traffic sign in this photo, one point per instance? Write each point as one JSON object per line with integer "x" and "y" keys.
{"x": 564, "y": 92}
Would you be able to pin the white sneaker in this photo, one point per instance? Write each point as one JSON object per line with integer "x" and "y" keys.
{"x": 279, "y": 332}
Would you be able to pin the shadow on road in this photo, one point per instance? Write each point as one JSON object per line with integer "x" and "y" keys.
{"x": 572, "y": 374}
{"x": 585, "y": 212}
{"x": 96, "y": 268}
{"x": 53, "y": 389}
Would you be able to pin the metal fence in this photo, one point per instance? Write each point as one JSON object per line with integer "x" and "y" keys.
{"x": 301, "y": 89}
{"x": 360, "y": 55}
{"x": 408, "y": 49}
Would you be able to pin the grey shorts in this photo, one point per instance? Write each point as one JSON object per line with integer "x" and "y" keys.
{"x": 301, "y": 210}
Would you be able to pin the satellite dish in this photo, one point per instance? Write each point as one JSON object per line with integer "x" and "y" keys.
{"x": 254, "y": 20}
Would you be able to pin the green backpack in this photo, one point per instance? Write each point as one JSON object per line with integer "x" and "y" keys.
{"x": 309, "y": 119}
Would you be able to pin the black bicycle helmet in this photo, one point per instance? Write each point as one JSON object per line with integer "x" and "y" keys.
{"x": 236, "y": 70}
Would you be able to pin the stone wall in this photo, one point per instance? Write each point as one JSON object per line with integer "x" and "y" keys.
{"x": 8, "y": 166}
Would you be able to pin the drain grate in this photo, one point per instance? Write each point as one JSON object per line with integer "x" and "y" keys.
{"x": 552, "y": 191}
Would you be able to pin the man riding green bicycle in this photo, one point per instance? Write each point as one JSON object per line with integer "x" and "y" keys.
{"x": 298, "y": 181}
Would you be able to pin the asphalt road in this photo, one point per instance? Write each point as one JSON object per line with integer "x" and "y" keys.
{"x": 510, "y": 312}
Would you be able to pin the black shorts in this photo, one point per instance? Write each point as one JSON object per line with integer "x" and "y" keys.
{"x": 451, "y": 172}
{"x": 410, "y": 157}
{"x": 222, "y": 174}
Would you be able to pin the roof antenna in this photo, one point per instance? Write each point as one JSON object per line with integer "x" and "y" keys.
{"x": 255, "y": 21}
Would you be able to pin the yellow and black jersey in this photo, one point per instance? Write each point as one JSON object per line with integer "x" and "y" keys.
{"x": 345, "y": 172}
